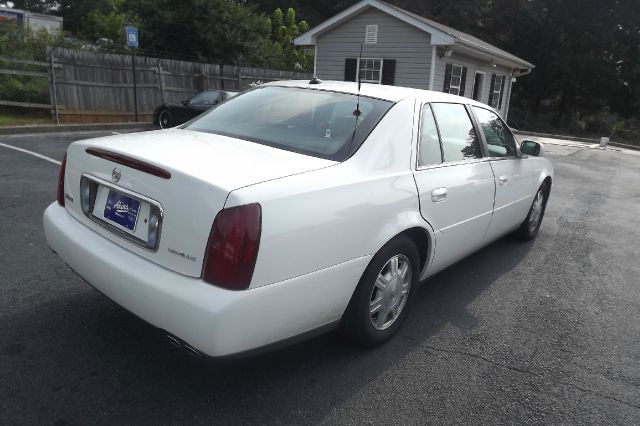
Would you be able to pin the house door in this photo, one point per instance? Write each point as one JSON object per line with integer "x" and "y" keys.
{"x": 478, "y": 85}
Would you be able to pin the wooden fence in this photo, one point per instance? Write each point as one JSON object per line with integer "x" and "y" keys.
{"x": 89, "y": 87}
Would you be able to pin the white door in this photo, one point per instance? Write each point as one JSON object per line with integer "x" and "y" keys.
{"x": 456, "y": 185}
{"x": 514, "y": 178}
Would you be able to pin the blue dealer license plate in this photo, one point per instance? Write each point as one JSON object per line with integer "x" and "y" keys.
{"x": 121, "y": 209}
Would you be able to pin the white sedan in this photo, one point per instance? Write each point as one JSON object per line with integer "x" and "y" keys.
{"x": 293, "y": 208}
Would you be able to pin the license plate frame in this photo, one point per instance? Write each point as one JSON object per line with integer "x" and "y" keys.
{"x": 122, "y": 210}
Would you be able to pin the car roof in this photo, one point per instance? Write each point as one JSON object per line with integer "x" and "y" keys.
{"x": 380, "y": 91}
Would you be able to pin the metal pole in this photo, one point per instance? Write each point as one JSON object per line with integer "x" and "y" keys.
{"x": 161, "y": 77}
{"x": 53, "y": 87}
{"x": 135, "y": 86}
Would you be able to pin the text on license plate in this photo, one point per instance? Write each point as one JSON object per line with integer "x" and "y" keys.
{"x": 121, "y": 209}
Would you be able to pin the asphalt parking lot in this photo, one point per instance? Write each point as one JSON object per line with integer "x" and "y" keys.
{"x": 539, "y": 332}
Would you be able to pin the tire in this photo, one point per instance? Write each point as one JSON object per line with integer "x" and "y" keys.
{"x": 165, "y": 119}
{"x": 392, "y": 290}
{"x": 529, "y": 228}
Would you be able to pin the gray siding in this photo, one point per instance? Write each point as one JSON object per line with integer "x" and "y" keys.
{"x": 397, "y": 40}
{"x": 472, "y": 66}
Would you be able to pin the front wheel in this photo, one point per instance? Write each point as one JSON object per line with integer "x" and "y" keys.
{"x": 380, "y": 302}
{"x": 529, "y": 228}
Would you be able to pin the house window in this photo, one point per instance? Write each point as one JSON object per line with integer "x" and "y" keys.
{"x": 370, "y": 70}
{"x": 496, "y": 93}
{"x": 371, "y": 34}
{"x": 456, "y": 80}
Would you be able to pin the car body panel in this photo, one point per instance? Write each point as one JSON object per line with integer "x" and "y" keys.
{"x": 514, "y": 183}
{"x": 215, "y": 321}
{"x": 460, "y": 220}
{"x": 362, "y": 202}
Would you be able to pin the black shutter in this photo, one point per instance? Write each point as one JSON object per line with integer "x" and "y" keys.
{"x": 350, "y": 68}
{"x": 447, "y": 78}
{"x": 463, "y": 80}
{"x": 493, "y": 83}
{"x": 501, "y": 92}
{"x": 388, "y": 71}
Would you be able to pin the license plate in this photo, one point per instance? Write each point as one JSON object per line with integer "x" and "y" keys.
{"x": 121, "y": 209}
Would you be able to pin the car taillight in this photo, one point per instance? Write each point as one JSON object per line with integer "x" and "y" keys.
{"x": 232, "y": 249}
{"x": 63, "y": 166}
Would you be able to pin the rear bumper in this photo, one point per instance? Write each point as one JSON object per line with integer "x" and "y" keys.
{"x": 215, "y": 321}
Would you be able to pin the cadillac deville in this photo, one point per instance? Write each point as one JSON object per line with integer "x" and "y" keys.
{"x": 293, "y": 208}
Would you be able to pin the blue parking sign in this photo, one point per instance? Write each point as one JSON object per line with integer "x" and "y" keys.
{"x": 132, "y": 36}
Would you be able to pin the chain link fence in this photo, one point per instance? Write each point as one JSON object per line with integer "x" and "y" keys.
{"x": 25, "y": 89}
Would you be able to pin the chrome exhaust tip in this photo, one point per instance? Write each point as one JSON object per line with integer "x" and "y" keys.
{"x": 181, "y": 344}
{"x": 192, "y": 351}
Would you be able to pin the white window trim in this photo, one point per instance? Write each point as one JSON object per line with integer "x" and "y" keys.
{"x": 451, "y": 86}
{"x": 374, "y": 31}
{"x": 379, "y": 81}
{"x": 484, "y": 81}
{"x": 496, "y": 94}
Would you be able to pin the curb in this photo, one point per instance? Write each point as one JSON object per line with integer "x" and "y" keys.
{"x": 549, "y": 135}
{"x": 575, "y": 139}
{"x": 58, "y": 128}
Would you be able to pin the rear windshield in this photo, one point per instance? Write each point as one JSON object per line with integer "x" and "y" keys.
{"x": 313, "y": 122}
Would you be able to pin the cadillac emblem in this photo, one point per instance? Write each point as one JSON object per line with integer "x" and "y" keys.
{"x": 116, "y": 174}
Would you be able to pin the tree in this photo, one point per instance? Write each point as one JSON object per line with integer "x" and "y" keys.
{"x": 38, "y": 6}
{"x": 284, "y": 29}
{"x": 214, "y": 30}
{"x": 106, "y": 26}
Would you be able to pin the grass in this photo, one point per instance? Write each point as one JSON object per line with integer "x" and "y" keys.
{"x": 18, "y": 120}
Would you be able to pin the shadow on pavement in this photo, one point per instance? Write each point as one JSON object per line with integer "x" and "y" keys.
{"x": 83, "y": 357}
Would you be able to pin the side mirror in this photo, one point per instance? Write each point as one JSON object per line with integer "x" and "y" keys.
{"x": 185, "y": 102}
{"x": 529, "y": 147}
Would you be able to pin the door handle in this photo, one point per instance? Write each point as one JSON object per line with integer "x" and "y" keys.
{"x": 439, "y": 195}
{"x": 503, "y": 179}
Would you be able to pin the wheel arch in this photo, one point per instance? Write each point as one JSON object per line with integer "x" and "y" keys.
{"x": 424, "y": 243}
{"x": 423, "y": 237}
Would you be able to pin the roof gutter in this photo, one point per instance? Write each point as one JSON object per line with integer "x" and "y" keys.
{"x": 517, "y": 73}
{"x": 482, "y": 49}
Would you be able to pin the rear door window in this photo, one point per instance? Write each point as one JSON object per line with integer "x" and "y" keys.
{"x": 458, "y": 136}
{"x": 429, "y": 152}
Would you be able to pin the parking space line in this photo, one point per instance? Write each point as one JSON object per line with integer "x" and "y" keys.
{"x": 35, "y": 154}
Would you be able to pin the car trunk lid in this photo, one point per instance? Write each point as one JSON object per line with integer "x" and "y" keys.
{"x": 182, "y": 175}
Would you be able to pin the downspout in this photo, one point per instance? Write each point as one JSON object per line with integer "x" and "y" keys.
{"x": 506, "y": 108}
{"x": 315, "y": 59}
{"x": 514, "y": 74}
{"x": 432, "y": 72}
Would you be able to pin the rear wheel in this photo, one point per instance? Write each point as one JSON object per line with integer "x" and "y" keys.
{"x": 165, "y": 120}
{"x": 529, "y": 228}
{"x": 380, "y": 302}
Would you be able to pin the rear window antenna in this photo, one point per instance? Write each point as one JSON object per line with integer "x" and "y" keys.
{"x": 357, "y": 111}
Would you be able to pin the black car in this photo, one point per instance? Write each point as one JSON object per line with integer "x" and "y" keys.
{"x": 171, "y": 114}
